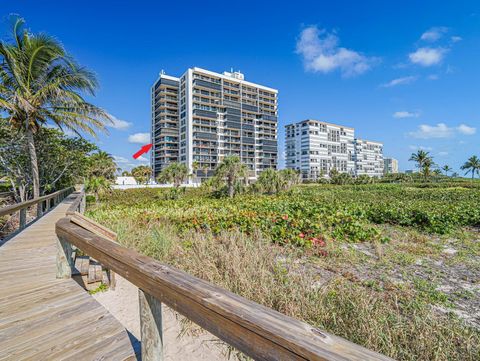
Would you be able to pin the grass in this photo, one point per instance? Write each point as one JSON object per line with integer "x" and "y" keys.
{"x": 377, "y": 294}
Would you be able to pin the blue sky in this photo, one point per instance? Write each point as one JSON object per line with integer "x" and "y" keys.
{"x": 400, "y": 72}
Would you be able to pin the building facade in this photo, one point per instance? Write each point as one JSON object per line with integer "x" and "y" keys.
{"x": 218, "y": 115}
{"x": 368, "y": 158}
{"x": 164, "y": 133}
{"x": 390, "y": 166}
{"x": 315, "y": 148}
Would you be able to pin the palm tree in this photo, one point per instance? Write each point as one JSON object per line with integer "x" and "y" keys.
{"x": 41, "y": 83}
{"x": 427, "y": 165}
{"x": 102, "y": 164}
{"x": 98, "y": 186}
{"x": 231, "y": 169}
{"x": 142, "y": 173}
{"x": 472, "y": 165}
{"x": 420, "y": 158}
{"x": 446, "y": 168}
{"x": 205, "y": 169}
{"x": 126, "y": 173}
{"x": 270, "y": 181}
{"x": 290, "y": 176}
{"x": 175, "y": 173}
{"x": 195, "y": 168}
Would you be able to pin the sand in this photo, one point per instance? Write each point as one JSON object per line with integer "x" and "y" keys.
{"x": 191, "y": 346}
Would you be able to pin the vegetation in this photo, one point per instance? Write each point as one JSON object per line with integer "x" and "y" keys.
{"x": 342, "y": 258}
{"x": 231, "y": 171}
{"x": 62, "y": 160}
{"x": 175, "y": 173}
{"x": 102, "y": 164}
{"x": 142, "y": 173}
{"x": 472, "y": 165}
{"x": 41, "y": 84}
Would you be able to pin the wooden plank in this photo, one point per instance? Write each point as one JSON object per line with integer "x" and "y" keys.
{"x": 94, "y": 273}
{"x": 45, "y": 318}
{"x": 81, "y": 265}
{"x": 93, "y": 226}
{"x": 258, "y": 331}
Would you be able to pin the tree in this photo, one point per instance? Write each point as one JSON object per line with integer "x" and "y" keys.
{"x": 142, "y": 173}
{"x": 103, "y": 165}
{"x": 231, "y": 170}
{"x": 195, "y": 168}
{"x": 62, "y": 160}
{"x": 205, "y": 169}
{"x": 421, "y": 157}
{"x": 426, "y": 169}
{"x": 176, "y": 173}
{"x": 41, "y": 83}
{"x": 270, "y": 181}
{"x": 98, "y": 186}
{"x": 126, "y": 173}
{"x": 273, "y": 181}
{"x": 446, "y": 168}
{"x": 472, "y": 165}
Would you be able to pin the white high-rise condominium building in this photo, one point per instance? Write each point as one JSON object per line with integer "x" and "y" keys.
{"x": 390, "y": 166}
{"x": 215, "y": 115}
{"x": 368, "y": 158}
{"x": 315, "y": 148}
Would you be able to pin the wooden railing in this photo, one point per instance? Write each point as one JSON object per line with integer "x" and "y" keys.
{"x": 255, "y": 330}
{"x": 44, "y": 204}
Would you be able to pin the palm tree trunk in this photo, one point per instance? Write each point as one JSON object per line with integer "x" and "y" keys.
{"x": 33, "y": 163}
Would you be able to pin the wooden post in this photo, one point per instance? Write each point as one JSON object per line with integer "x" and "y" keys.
{"x": 64, "y": 258}
{"x": 23, "y": 217}
{"x": 83, "y": 204}
{"x": 151, "y": 327}
{"x": 39, "y": 209}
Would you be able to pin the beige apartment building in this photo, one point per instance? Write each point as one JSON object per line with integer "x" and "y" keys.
{"x": 208, "y": 116}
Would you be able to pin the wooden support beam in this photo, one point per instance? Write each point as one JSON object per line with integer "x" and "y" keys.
{"x": 150, "y": 327}
{"x": 23, "y": 218}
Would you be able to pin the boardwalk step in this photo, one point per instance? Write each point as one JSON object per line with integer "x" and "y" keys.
{"x": 94, "y": 273}
{"x": 81, "y": 265}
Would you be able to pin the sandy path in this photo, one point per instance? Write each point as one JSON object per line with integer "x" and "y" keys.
{"x": 123, "y": 305}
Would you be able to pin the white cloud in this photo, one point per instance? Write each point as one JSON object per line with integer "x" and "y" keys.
{"x": 119, "y": 159}
{"x": 400, "y": 81}
{"x": 433, "y": 77}
{"x": 442, "y": 154}
{"x": 118, "y": 123}
{"x": 466, "y": 130}
{"x": 427, "y": 56}
{"x": 424, "y": 131}
{"x": 441, "y": 130}
{"x": 456, "y": 39}
{"x": 139, "y": 138}
{"x": 406, "y": 114}
{"x": 321, "y": 53}
{"x": 433, "y": 34}
{"x": 420, "y": 147}
{"x": 142, "y": 159}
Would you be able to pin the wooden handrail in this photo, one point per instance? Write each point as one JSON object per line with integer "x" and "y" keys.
{"x": 48, "y": 201}
{"x": 18, "y": 206}
{"x": 256, "y": 330}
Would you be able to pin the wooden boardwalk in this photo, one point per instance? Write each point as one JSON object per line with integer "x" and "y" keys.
{"x": 44, "y": 318}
